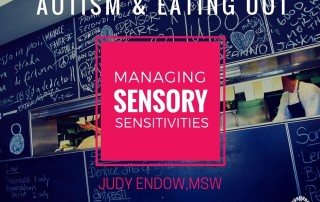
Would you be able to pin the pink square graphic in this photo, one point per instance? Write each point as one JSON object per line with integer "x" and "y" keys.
{"x": 190, "y": 132}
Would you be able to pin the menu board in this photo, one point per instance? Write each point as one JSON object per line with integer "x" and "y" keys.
{"x": 57, "y": 63}
{"x": 299, "y": 27}
{"x": 256, "y": 156}
{"x": 51, "y": 178}
{"x": 36, "y": 70}
{"x": 305, "y": 143}
{"x": 247, "y": 35}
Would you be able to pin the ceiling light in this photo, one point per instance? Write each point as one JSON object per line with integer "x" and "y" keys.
{"x": 4, "y": 2}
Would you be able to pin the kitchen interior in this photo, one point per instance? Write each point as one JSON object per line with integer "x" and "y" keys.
{"x": 253, "y": 92}
{"x": 58, "y": 128}
{"x": 254, "y": 89}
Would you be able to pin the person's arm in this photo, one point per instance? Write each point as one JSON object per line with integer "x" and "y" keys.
{"x": 283, "y": 112}
{"x": 312, "y": 107}
{"x": 90, "y": 126}
{"x": 90, "y": 141}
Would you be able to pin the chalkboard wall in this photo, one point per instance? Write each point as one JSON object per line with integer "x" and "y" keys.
{"x": 299, "y": 27}
{"x": 254, "y": 172}
{"x": 37, "y": 70}
{"x": 51, "y": 178}
{"x": 258, "y": 168}
{"x": 305, "y": 137}
{"x": 56, "y": 64}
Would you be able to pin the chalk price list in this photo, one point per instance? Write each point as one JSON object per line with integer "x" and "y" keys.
{"x": 309, "y": 156}
{"x": 28, "y": 187}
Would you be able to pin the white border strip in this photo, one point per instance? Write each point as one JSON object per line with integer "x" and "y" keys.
{"x": 293, "y": 161}
{"x": 267, "y": 28}
{"x": 30, "y": 134}
{"x": 10, "y": 112}
{"x": 86, "y": 176}
{"x": 76, "y": 45}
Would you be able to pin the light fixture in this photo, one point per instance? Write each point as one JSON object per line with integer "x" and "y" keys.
{"x": 4, "y": 2}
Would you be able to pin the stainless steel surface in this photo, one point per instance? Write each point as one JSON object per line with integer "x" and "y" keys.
{"x": 252, "y": 115}
{"x": 252, "y": 112}
{"x": 64, "y": 108}
{"x": 44, "y": 136}
{"x": 246, "y": 116}
{"x": 44, "y": 120}
{"x": 231, "y": 119}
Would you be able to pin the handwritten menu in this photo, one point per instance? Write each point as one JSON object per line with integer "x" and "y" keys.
{"x": 96, "y": 174}
{"x": 36, "y": 70}
{"x": 250, "y": 161}
{"x": 305, "y": 137}
{"x": 56, "y": 178}
{"x": 40, "y": 69}
{"x": 57, "y": 63}
{"x": 299, "y": 27}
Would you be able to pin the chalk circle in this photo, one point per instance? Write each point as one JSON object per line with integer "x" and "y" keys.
{"x": 16, "y": 144}
{"x": 13, "y": 126}
{"x": 17, "y": 141}
{"x": 106, "y": 31}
